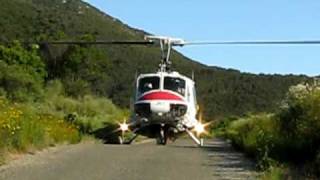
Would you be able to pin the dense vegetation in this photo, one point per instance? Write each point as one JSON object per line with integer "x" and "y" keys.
{"x": 25, "y": 128}
{"x": 55, "y": 94}
{"x": 36, "y": 113}
{"x": 109, "y": 71}
{"x": 291, "y": 135}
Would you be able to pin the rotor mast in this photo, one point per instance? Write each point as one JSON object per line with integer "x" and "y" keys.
{"x": 165, "y": 63}
{"x": 166, "y": 44}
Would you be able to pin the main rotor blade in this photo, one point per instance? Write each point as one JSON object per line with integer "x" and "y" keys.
{"x": 310, "y": 42}
{"x": 98, "y": 42}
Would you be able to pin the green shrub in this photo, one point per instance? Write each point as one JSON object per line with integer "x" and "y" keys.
{"x": 299, "y": 120}
{"x": 22, "y": 73}
{"x": 290, "y": 135}
{"x": 256, "y": 135}
{"x": 220, "y": 126}
{"x": 88, "y": 112}
{"x": 275, "y": 173}
{"x": 34, "y": 116}
{"x": 23, "y": 127}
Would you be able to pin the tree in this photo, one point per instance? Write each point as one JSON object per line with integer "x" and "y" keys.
{"x": 22, "y": 72}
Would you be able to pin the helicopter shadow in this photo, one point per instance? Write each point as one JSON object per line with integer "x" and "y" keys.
{"x": 108, "y": 134}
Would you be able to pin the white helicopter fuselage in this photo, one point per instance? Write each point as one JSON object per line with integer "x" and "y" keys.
{"x": 165, "y": 102}
{"x": 164, "y": 99}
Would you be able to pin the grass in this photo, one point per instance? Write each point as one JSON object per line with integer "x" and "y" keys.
{"x": 275, "y": 173}
{"x": 88, "y": 112}
{"x": 256, "y": 135}
{"x": 23, "y": 128}
{"x": 289, "y": 136}
{"x": 56, "y": 119}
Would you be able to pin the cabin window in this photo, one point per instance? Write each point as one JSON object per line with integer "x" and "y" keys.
{"x": 175, "y": 84}
{"x": 149, "y": 83}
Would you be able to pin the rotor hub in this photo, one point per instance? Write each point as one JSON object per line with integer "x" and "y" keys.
{"x": 166, "y": 44}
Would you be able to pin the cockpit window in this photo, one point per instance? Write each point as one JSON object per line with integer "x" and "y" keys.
{"x": 175, "y": 84}
{"x": 148, "y": 83}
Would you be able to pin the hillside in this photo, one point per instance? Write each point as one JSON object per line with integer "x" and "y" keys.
{"x": 110, "y": 70}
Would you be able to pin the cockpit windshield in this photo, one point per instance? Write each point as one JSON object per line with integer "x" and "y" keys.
{"x": 175, "y": 84}
{"x": 149, "y": 83}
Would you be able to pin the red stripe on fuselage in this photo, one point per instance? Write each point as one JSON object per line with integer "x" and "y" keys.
{"x": 160, "y": 96}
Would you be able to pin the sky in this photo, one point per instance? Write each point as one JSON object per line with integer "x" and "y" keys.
{"x": 231, "y": 20}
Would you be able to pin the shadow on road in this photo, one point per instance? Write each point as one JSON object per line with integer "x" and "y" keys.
{"x": 108, "y": 134}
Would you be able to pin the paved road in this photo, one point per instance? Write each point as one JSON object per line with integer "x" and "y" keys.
{"x": 89, "y": 161}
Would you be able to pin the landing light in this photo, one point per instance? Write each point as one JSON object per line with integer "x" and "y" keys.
{"x": 124, "y": 126}
{"x": 199, "y": 128}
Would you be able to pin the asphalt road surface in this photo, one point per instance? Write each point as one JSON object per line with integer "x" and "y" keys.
{"x": 90, "y": 161}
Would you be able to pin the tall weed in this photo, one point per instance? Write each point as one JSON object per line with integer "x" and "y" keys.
{"x": 289, "y": 135}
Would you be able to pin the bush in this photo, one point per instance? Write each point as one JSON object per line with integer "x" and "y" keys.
{"x": 22, "y": 73}
{"x": 22, "y": 127}
{"x": 275, "y": 173}
{"x": 89, "y": 112}
{"x": 55, "y": 119}
{"x": 256, "y": 135}
{"x": 290, "y": 135}
{"x": 299, "y": 120}
{"x": 33, "y": 116}
{"x": 220, "y": 126}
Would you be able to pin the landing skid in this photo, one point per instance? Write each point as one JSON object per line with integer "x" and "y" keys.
{"x": 162, "y": 138}
{"x": 123, "y": 140}
{"x": 198, "y": 141}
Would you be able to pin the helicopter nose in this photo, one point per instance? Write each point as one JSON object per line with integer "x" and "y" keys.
{"x": 160, "y": 107}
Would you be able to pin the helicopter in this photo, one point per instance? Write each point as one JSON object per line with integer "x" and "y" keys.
{"x": 165, "y": 102}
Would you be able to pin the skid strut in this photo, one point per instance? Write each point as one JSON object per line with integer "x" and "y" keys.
{"x": 122, "y": 138}
{"x": 198, "y": 141}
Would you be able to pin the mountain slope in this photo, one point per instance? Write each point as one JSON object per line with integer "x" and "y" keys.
{"x": 110, "y": 70}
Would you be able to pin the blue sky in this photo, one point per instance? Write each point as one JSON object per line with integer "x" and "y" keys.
{"x": 215, "y": 20}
